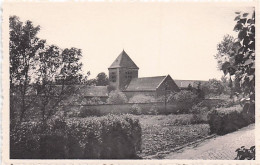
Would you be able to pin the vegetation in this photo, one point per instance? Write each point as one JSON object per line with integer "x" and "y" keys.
{"x": 240, "y": 55}
{"x": 245, "y": 154}
{"x": 140, "y": 98}
{"x": 226, "y": 120}
{"x": 102, "y": 79}
{"x": 108, "y": 137}
{"x": 162, "y": 133}
{"x": 116, "y": 97}
{"x": 184, "y": 99}
{"x": 36, "y": 69}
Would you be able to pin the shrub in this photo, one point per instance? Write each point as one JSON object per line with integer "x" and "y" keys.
{"x": 154, "y": 110}
{"x": 136, "y": 109}
{"x": 228, "y": 120}
{"x": 141, "y": 99}
{"x": 107, "y": 137}
{"x": 245, "y": 154}
{"x": 185, "y": 100}
{"x": 116, "y": 97}
{"x": 88, "y": 111}
{"x": 94, "y": 101}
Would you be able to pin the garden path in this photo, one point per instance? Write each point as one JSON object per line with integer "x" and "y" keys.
{"x": 220, "y": 147}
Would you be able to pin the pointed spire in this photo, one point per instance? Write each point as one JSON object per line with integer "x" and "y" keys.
{"x": 123, "y": 60}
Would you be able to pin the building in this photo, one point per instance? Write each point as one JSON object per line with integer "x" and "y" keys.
{"x": 183, "y": 84}
{"x": 123, "y": 76}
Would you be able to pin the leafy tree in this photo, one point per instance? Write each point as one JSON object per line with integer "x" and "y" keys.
{"x": 190, "y": 88}
{"x": 91, "y": 82}
{"x": 224, "y": 48}
{"x": 49, "y": 62}
{"x": 213, "y": 86}
{"x": 200, "y": 92}
{"x": 116, "y": 97}
{"x": 241, "y": 64}
{"x": 23, "y": 47}
{"x": 71, "y": 67}
{"x": 101, "y": 79}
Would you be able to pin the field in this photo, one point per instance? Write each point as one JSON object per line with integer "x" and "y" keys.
{"x": 164, "y": 132}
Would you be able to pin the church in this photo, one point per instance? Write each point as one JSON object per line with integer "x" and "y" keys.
{"x": 123, "y": 76}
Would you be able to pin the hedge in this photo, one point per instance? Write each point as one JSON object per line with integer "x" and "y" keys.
{"x": 107, "y": 137}
{"x": 231, "y": 119}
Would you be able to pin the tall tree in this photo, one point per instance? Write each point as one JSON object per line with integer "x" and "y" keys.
{"x": 49, "y": 62}
{"x": 242, "y": 60}
{"x": 23, "y": 46}
{"x": 224, "y": 49}
{"x": 102, "y": 79}
{"x": 71, "y": 66}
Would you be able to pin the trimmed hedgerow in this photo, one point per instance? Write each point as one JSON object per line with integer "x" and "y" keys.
{"x": 107, "y": 137}
{"x": 230, "y": 119}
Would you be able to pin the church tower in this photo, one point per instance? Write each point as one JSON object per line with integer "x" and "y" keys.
{"x": 122, "y": 71}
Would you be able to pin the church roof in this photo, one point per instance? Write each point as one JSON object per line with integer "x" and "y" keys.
{"x": 145, "y": 83}
{"x": 123, "y": 60}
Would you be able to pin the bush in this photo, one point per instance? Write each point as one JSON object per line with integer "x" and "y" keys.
{"x": 185, "y": 100}
{"x": 116, "y": 97}
{"x": 136, "y": 109}
{"x": 88, "y": 111}
{"x": 153, "y": 111}
{"x": 107, "y": 137}
{"x": 228, "y": 120}
{"x": 245, "y": 154}
{"x": 94, "y": 101}
{"x": 141, "y": 99}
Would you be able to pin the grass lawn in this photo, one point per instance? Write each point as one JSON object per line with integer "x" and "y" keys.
{"x": 164, "y": 132}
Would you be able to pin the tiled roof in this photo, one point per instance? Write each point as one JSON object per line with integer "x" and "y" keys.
{"x": 145, "y": 83}
{"x": 185, "y": 83}
{"x": 123, "y": 60}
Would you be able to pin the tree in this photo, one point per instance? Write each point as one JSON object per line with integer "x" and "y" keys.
{"x": 23, "y": 46}
{"x": 116, "y": 97}
{"x": 190, "y": 88}
{"x": 49, "y": 62}
{"x": 101, "y": 79}
{"x": 71, "y": 66}
{"x": 241, "y": 64}
{"x": 213, "y": 86}
{"x": 224, "y": 48}
{"x": 200, "y": 92}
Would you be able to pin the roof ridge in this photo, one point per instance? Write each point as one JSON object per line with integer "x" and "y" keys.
{"x": 123, "y": 60}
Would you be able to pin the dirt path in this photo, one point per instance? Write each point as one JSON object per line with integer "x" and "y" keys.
{"x": 221, "y": 147}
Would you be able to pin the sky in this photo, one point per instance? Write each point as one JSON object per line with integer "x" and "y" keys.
{"x": 179, "y": 39}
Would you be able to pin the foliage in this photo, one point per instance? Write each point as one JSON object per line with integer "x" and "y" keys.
{"x": 36, "y": 70}
{"x": 24, "y": 46}
{"x": 245, "y": 154}
{"x": 136, "y": 109}
{"x": 213, "y": 86}
{"x": 226, "y": 120}
{"x": 241, "y": 62}
{"x": 140, "y": 98}
{"x": 101, "y": 79}
{"x": 108, "y": 137}
{"x": 185, "y": 100}
{"x": 89, "y": 111}
{"x": 116, "y": 97}
{"x": 224, "y": 48}
{"x": 94, "y": 101}
{"x": 153, "y": 110}
{"x": 164, "y": 132}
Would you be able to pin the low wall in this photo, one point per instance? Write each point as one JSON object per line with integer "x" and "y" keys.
{"x": 125, "y": 108}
